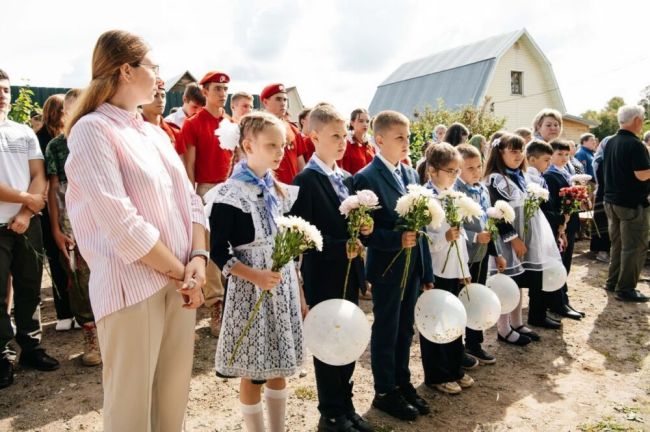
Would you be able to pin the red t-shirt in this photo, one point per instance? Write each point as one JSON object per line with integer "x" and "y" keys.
{"x": 309, "y": 147}
{"x": 174, "y": 134}
{"x": 357, "y": 155}
{"x": 212, "y": 163}
{"x": 295, "y": 147}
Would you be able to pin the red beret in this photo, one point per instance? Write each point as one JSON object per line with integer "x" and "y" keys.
{"x": 272, "y": 89}
{"x": 214, "y": 76}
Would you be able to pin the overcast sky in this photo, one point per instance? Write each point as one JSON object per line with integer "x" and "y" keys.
{"x": 332, "y": 50}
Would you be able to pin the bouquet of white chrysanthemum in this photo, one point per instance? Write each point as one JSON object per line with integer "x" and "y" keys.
{"x": 416, "y": 209}
{"x": 501, "y": 212}
{"x": 356, "y": 209}
{"x": 458, "y": 208}
{"x": 294, "y": 236}
{"x": 536, "y": 195}
{"x": 581, "y": 179}
{"x": 229, "y": 134}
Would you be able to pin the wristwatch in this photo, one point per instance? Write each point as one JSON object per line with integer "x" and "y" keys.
{"x": 202, "y": 253}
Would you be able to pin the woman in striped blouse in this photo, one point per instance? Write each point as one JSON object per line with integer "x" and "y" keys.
{"x": 141, "y": 228}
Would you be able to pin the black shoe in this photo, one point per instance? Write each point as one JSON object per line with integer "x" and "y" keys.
{"x": 6, "y": 373}
{"x": 567, "y": 312}
{"x": 394, "y": 404}
{"x": 577, "y": 311}
{"x": 412, "y": 397}
{"x": 360, "y": 423}
{"x": 469, "y": 362}
{"x": 633, "y": 296}
{"x": 37, "y": 359}
{"x": 337, "y": 424}
{"x": 479, "y": 354}
{"x": 546, "y": 323}
{"x": 609, "y": 288}
{"x": 521, "y": 341}
{"x": 531, "y": 334}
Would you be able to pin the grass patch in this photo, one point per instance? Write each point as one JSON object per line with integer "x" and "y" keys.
{"x": 606, "y": 424}
{"x": 305, "y": 393}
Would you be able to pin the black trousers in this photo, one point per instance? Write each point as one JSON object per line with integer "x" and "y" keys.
{"x": 392, "y": 333}
{"x": 474, "y": 338}
{"x": 58, "y": 272}
{"x": 334, "y": 385}
{"x": 443, "y": 362}
{"x": 537, "y": 299}
{"x": 18, "y": 258}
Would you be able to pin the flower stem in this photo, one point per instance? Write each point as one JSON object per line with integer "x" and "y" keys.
{"x": 405, "y": 273}
{"x": 347, "y": 275}
{"x": 256, "y": 309}
{"x": 444, "y": 266}
{"x": 392, "y": 262}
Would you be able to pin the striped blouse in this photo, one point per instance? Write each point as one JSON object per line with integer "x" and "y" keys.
{"x": 127, "y": 189}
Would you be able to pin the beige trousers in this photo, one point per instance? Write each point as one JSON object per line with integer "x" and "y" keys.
{"x": 147, "y": 352}
{"x": 213, "y": 288}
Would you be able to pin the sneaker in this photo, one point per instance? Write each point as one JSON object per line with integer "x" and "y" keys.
{"x": 466, "y": 381}
{"x": 64, "y": 325}
{"x": 337, "y": 424}
{"x": 469, "y": 362}
{"x": 479, "y": 354}
{"x": 91, "y": 355}
{"x": 603, "y": 257}
{"x": 215, "y": 318}
{"x": 39, "y": 360}
{"x": 451, "y": 388}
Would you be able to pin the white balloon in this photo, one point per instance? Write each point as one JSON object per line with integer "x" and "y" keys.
{"x": 482, "y": 306}
{"x": 506, "y": 290}
{"x": 439, "y": 316}
{"x": 554, "y": 277}
{"x": 336, "y": 332}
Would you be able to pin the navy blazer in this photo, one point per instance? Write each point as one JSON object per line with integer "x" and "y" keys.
{"x": 324, "y": 272}
{"x": 385, "y": 241}
{"x": 553, "y": 209}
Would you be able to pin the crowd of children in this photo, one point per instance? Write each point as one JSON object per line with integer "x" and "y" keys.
{"x": 272, "y": 168}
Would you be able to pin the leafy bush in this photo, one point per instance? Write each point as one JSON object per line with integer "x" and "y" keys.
{"x": 23, "y": 106}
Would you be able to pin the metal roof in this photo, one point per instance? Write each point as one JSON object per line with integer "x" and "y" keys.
{"x": 459, "y": 76}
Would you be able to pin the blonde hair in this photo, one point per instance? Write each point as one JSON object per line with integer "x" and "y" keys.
{"x": 323, "y": 115}
{"x": 546, "y": 112}
{"x": 468, "y": 151}
{"x": 386, "y": 119}
{"x": 241, "y": 95}
{"x": 114, "y": 48}
{"x": 253, "y": 124}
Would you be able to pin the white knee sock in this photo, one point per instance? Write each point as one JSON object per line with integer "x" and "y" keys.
{"x": 503, "y": 325}
{"x": 253, "y": 417}
{"x": 276, "y": 404}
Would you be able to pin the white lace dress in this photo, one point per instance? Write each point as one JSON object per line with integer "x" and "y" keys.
{"x": 542, "y": 251}
{"x": 274, "y": 344}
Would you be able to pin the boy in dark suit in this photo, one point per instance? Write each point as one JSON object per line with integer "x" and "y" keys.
{"x": 323, "y": 186}
{"x": 392, "y": 329}
{"x": 566, "y": 228}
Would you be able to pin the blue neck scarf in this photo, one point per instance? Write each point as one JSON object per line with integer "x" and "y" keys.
{"x": 476, "y": 191}
{"x": 518, "y": 177}
{"x": 335, "y": 178}
{"x": 563, "y": 172}
{"x": 243, "y": 173}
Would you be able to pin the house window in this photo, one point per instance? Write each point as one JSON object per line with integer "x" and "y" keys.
{"x": 516, "y": 83}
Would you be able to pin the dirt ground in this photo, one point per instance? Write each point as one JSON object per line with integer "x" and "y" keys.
{"x": 593, "y": 375}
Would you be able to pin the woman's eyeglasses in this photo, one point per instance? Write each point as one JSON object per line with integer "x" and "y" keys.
{"x": 154, "y": 68}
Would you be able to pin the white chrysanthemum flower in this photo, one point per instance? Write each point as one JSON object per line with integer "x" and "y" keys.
{"x": 580, "y": 179}
{"x": 468, "y": 208}
{"x": 404, "y": 204}
{"x": 537, "y": 191}
{"x": 506, "y": 210}
{"x": 368, "y": 198}
{"x": 450, "y": 194}
{"x": 349, "y": 204}
{"x": 494, "y": 213}
{"x": 419, "y": 190}
{"x": 228, "y": 134}
{"x": 436, "y": 212}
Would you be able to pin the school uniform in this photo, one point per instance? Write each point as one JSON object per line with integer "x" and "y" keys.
{"x": 321, "y": 192}
{"x": 295, "y": 148}
{"x": 392, "y": 329}
{"x": 557, "y": 179}
{"x": 477, "y": 253}
{"x": 442, "y": 363}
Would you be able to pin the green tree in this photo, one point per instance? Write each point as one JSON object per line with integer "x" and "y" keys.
{"x": 23, "y": 106}
{"x": 606, "y": 117}
{"x": 478, "y": 120}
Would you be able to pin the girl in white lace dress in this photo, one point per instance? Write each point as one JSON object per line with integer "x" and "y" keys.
{"x": 528, "y": 251}
{"x": 242, "y": 212}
